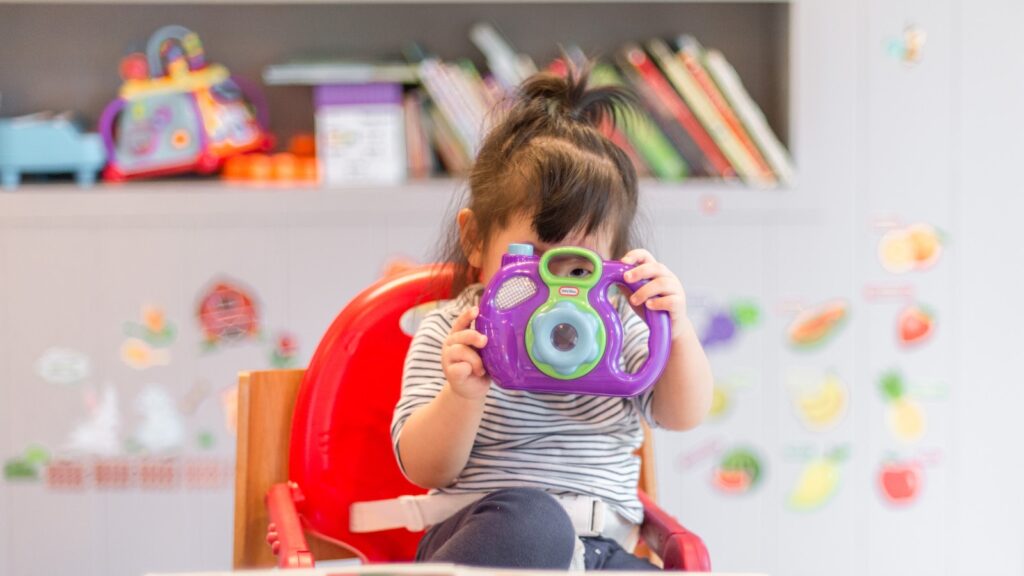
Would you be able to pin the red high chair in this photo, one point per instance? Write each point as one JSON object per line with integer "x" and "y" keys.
{"x": 311, "y": 443}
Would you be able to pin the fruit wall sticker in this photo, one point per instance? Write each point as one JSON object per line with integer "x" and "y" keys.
{"x": 907, "y": 47}
{"x": 721, "y": 401}
{"x": 820, "y": 400}
{"x": 914, "y": 325}
{"x": 285, "y": 351}
{"x": 227, "y": 313}
{"x": 818, "y": 482}
{"x": 739, "y": 471}
{"x": 915, "y": 247}
{"x": 900, "y": 481}
{"x": 147, "y": 341}
{"x": 905, "y": 418}
{"x": 27, "y": 466}
{"x": 724, "y": 325}
{"x": 816, "y": 326}
{"x": 63, "y": 366}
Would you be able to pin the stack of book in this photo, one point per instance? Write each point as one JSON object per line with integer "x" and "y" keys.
{"x": 695, "y": 119}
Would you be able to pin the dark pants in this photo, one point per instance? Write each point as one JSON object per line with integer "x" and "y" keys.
{"x": 519, "y": 528}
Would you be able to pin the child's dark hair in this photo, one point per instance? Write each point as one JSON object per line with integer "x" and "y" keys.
{"x": 547, "y": 158}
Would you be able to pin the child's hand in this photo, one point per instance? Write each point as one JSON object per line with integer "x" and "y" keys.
{"x": 460, "y": 360}
{"x": 664, "y": 291}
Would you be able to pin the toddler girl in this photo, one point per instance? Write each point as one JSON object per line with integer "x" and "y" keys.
{"x": 542, "y": 480}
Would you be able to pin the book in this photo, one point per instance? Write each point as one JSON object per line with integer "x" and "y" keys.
{"x": 416, "y": 138}
{"x": 728, "y": 81}
{"x": 333, "y": 72}
{"x": 664, "y": 161}
{"x": 697, "y": 100}
{"x": 508, "y": 67}
{"x": 707, "y": 159}
{"x": 691, "y": 53}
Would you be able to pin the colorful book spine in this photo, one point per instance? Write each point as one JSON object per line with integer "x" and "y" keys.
{"x": 729, "y": 83}
{"x": 417, "y": 144}
{"x": 691, "y": 53}
{"x": 697, "y": 100}
{"x": 681, "y": 140}
{"x": 671, "y": 103}
{"x": 663, "y": 160}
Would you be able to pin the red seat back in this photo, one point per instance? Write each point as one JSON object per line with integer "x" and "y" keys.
{"x": 341, "y": 443}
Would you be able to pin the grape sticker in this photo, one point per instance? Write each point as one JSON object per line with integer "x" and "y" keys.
{"x": 815, "y": 326}
{"x": 724, "y": 325}
{"x": 738, "y": 472}
{"x": 63, "y": 366}
{"x": 915, "y": 247}
{"x": 819, "y": 400}
{"x": 818, "y": 482}
{"x": 905, "y": 418}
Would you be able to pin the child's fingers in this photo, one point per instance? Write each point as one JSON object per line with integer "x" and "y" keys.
{"x": 658, "y": 287}
{"x": 637, "y": 256}
{"x": 458, "y": 372}
{"x": 665, "y": 303}
{"x": 462, "y": 354}
{"x": 468, "y": 337}
{"x": 465, "y": 319}
{"x": 647, "y": 270}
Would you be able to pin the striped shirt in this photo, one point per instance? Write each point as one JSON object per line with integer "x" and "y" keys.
{"x": 563, "y": 444}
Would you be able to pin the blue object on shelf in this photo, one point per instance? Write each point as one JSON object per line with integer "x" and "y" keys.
{"x": 47, "y": 144}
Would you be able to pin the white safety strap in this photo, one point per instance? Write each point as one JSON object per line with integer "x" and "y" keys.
{"x": 589, "y": 516}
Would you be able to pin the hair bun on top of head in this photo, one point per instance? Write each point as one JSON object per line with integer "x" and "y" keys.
{"x": 569, "y": 96}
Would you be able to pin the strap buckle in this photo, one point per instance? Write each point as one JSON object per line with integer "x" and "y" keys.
{"x": 597, "y": 515}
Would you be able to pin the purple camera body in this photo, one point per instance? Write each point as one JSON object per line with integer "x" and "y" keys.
{"x": 562, "y": 335}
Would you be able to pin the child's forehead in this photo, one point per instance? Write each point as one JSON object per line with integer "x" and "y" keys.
{"x": 521, "y": 228}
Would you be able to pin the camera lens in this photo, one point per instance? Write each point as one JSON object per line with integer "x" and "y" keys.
{"x": 563, "y": 337}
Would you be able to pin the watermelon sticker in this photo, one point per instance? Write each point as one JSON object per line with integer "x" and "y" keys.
{"x": 814, "y": 327}
{"x": 738, "y": 472}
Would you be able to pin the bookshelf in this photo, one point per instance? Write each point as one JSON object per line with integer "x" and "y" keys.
{"x": 76, "y": 69}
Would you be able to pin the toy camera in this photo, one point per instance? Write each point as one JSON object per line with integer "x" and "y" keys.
{"x": 548, "y": 332}
{"x": 176, "y": 113}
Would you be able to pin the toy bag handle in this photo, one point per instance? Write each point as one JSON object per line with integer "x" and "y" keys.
{"x": 657, "y": 321}
{"x": 187, "y": 39}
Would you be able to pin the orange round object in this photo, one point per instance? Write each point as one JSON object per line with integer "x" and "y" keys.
{"x": 180, "y": 138}
{"x": 260, "y": 167}
{"x": 302, "y": 145}
{"x": 236, "y": 168}
{"x": 284, "y": 166}
{"x": 308, "y": 170}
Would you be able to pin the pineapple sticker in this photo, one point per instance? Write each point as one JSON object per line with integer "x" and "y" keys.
{"x": 905, "y": 417}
